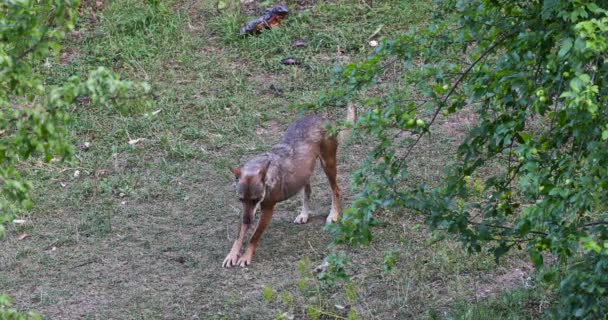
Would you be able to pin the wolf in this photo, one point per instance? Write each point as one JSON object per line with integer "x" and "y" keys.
{"x": 283, "y": 172}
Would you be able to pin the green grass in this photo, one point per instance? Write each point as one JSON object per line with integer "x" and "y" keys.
{"x": 142, "y": 232}
{"x": 516, "y": 304}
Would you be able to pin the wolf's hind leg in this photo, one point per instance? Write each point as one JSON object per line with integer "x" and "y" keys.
{"x": 329, "y": 148}
{"x": 303, "y": 217}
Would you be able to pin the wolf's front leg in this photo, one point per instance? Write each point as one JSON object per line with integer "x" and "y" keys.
{"x": 233, "y": 255}
{"x": 245, "y": 260}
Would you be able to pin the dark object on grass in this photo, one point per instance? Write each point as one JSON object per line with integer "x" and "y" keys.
{"x": 299, "y": 43}
{"x": 272, "y": 18}
{"x": 290, "y": 61}
{"x": 276, "y": 90}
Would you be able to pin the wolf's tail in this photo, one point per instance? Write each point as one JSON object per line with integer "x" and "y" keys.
{"x": 351, "y": 116}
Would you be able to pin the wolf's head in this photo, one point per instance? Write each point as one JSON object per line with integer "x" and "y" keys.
{"x": 250, "y": 185}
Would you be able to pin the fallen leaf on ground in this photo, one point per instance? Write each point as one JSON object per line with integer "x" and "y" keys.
{"x": 23, "y": 236}
{"x": 299, "y": 43}
{"x": 134, "y": 141}
{"x": 288, "y": 316}
{"x": 290, "y": 61}
{"x": 191, "y": 27}
{"x": 276, "y": 89}
{"x": 18, "y": 221}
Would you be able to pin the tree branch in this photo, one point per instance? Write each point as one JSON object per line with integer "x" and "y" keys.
{"x": 453, "y": 88}
{"x": 595, "y": 223}
{"x": 503, "y": 227}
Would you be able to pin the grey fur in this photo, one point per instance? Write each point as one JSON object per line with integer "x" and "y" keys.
{"x": 277, "y": 175}
{"x": 293, "y": 159}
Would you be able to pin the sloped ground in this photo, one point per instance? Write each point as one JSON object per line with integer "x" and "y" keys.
{"x": 142, "y": 232}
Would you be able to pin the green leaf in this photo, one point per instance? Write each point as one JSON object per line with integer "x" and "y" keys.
{"x": 221, "y": 5}
{"x": 594, "y": 8}
{"x": 576, "y": 85}
{"x": 567, "y": 94}
{"x": 525, "y": 136}
{"x": 536, "y": 257}
{"x": 565, "y": 47}
{"x": 500, "y": 251}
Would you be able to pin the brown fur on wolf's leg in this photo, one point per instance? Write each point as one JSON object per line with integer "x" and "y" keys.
{"x": 267, "y": 212}
{"x": 329, "y": 148}
{"x": 233, "y": 255}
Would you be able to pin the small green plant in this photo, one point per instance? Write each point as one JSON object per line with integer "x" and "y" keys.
{"x": 313, "y": 312}
{"x": 8, "y": 312}
{"x": 351, "y": 292}
{"x": 157, "y": 5}
{"x": 390, "y": 261}
{"x": 269, "y": 294}
{"x": 312, "y": 296}
{"x": 336, "y": 269}
{"x": 352, "y": 315}
{"x": 288, "y": 300}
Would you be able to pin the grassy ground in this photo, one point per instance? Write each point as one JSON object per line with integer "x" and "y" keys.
{"x": 142, "y": 232}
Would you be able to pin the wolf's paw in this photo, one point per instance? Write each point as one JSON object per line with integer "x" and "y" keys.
{"x": 331, "y": 218}
{"x": 301, "y": 219}
{"x": 231, "y": 260}
{"x": 245, "y": 260}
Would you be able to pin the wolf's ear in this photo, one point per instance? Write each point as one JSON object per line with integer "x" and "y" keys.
{"x": 264, "y": 170}
{"x": 236, "y": 172}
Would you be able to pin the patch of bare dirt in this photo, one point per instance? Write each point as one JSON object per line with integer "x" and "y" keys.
{"x": 269, "y": 129}
{"x": 457, "y": 125}
{"x": 512, "y": 279}
{"x": 69, "y": 56}
{"x": 270, "y": 85}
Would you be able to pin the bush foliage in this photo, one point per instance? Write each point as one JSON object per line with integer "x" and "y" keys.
{"x": 34, "y": 114}
{"x": 534, "y": 74}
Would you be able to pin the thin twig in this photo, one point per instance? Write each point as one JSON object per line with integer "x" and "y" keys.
{"x": 503, "y": 227}
{"x": 453, "y": 88}
{"x": 590, "y": 224}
